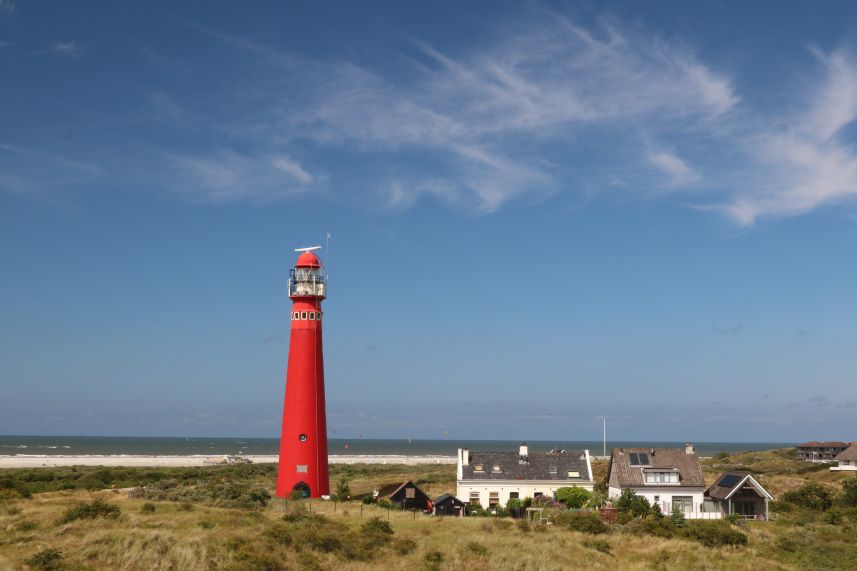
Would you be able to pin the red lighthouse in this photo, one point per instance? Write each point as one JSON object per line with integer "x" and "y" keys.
{"x": 303, "y": 441}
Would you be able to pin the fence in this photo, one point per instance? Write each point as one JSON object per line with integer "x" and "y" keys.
{"x": 693, "y": 510}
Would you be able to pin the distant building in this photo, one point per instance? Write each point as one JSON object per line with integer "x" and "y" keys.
{"x": 666, "y": 477}
{"x": 820, "y": 451}
{"x": 491, "y": 479}
{"x": 740, "y": 493}
{"x": 409, "y": 496}
{"x": 847, "y": 459}
{"x": 447, "y": 504}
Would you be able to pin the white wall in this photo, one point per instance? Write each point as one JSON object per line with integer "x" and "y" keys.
{"x": 665, "y": 496}
{"x": 525, "y": 488}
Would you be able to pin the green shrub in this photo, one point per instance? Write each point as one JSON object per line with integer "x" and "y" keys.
{"x": 573, "y": 496}
{"x": 475, "y": 549}
{"x": 95, "y": 509}
{"x": 849, "y": 492}
{"x": 260, "y": 496}
{"x": 205, "y": 524}
{"x": 47, "y": 560}
{"x": 26, "y": 526}
{"x": 433, "y": 560}
{"x": 523, "y": 525}
{"x": 714, "y": 533}
{"x": 147, "y": 508}
{"x": 810, "y": 495}
{"x": 631, "y": 503}
{"x": 404, "y": 546}
{"x": 377, "y": 526}
{"x": 734, "y": 519}
{"x": 587, "y": 522}
{"x": 280, "y": 534}
{"x": 343, "y": 490}
{"x": 677, "y": 516}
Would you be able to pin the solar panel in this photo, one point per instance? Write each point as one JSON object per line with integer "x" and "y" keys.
{"x": 634, "y": 458}
{"x": 644, "y": 459}
{"x": 729, "y": 480}
{"x": 639, "y": 459}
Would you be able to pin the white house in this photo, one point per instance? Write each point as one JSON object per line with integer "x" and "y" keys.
{"x": 493, "y": 478}
{"x": 847, "y": 459}
{"x": 666, "y": 477}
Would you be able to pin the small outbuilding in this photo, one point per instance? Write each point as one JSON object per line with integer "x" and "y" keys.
{"x": 447, "y": 504}
{"x": 409, "y": 496}
{"x": 740, "y": 493}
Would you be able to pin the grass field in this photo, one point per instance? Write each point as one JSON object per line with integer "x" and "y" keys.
{"x": 221, "y": 518}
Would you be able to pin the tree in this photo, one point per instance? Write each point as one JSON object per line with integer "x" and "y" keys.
{"x": 343, "y": 490}
{"x": 810, "y": 495}
{"x": 630, "y": 502}
{"x": 849, "y": 491}
{"x": 677, "y": 516}
{"x": 573, "y": 496}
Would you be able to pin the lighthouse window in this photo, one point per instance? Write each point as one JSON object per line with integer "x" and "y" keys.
{"x": 312, "y": 316}
{"x": 303, "y": 314}
{"x": 302, "y": 438}
{"x": 303, "y": 468}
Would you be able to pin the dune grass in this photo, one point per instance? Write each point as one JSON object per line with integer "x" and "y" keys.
{"x": 190, "y": 520}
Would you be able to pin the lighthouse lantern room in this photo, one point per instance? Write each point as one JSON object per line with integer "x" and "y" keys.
{"x": 303, "y": 441}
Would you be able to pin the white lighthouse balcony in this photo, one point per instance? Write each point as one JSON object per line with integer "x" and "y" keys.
{"x": 307, "y": 282}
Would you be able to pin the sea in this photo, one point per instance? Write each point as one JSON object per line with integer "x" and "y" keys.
{"x": 180, "y": 446}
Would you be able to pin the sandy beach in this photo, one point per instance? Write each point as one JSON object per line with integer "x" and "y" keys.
{"x": 50, "y": 461}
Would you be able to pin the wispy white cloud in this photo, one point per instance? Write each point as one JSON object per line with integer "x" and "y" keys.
{"x": 228, "y": 177}
{"x": 679, "y": 172}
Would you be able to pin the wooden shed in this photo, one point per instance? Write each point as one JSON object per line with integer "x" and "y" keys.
{"x": 409, "y": 496}
{"x": 447, "y": 504}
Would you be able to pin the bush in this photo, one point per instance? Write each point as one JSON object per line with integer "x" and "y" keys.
{"x": 523, "y": 525}
{"x": 204, "y": 524}
{"x": 260, "y": 496}
{"x": 433, "y": 559}
{"x": 810, "y": 495}
{"x": 631, "y": 503}
{"x": 677, "y": 516}
{"x": 147, "y": 508}
{"x": 377, "y": 526}
{"x": 475, "y": 549}
{"x": 714, "y": 533}
{"x": 587, "y": 522}
{"x": 573, "y": 497}
{"x": 26, "y": 526}
{"x": 47, "y": 560}
{"x": 343, "y": 490}
{"x": 404, "y": 546}
{"x": 95, "y": 509}
{"x": 849, "y": 492}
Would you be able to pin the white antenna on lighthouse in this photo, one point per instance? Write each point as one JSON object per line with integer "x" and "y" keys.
{"x": 310, "y": 249}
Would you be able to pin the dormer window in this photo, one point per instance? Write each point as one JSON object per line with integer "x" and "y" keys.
{"x": 665, "y": 477}
{"x": 495, "y": 469}
{"x": 573, "y": 474}
{"x": 478, "y": 468}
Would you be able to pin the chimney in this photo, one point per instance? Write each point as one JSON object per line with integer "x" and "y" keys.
{"x": 524, "y": 452}
{"x": 465, "y": 457}
{"x": 689, "y": 449}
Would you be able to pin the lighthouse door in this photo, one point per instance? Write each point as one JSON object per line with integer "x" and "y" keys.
{"x": 301, "y": 490}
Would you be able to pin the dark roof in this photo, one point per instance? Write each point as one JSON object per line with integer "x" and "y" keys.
{"x": 623, "y": 475}
{"x": 849, "y": 453}
{"x": 408, "y": 484}
{"x": 539, "y": 466}
{"x": 732, "y": 481}
{"x": 447, "y": 498}
{"x": 823, "y": 445}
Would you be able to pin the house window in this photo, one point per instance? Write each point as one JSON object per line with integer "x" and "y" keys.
{"x": 495, "y": 469}
{"x": 478, "y": 468}
{"x": 493, "y": 498}
{"x": 662, "y": 477}
{"x": 513, "y": 495}
{"x": 657, "y": 499}
{"x": 744, "y": 508}
{"x": 410, "y": 493}
{"x": 573, "y": 474}
{"x": 538, "y": 494}
{"x": 684, "y": 503}
{"x": 303, "y": 468}
{"x": 474, "y": 498}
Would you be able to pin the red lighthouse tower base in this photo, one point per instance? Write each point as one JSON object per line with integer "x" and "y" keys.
{"x": 303, "y": 441}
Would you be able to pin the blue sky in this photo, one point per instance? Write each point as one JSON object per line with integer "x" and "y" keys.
{"x": 542, "y": 213}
